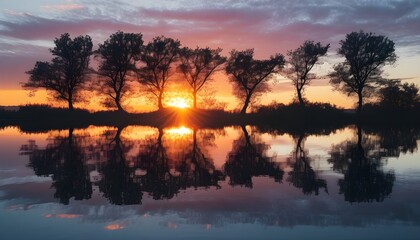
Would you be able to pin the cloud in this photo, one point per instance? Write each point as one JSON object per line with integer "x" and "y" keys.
{"x": 62, "y": 7}
{"x": 269, "y": 26}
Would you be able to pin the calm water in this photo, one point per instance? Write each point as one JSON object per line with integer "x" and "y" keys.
{"x": 141, "y": 182}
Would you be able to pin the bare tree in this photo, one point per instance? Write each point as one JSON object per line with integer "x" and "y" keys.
{"x": 117, "y": 64}
{"x": 158, "y": 56}
{"x": 365, "y": 55}
{"x": 198, "y": 66}
{"x": 250, "y": 76}
{"x": 301, "y": 61}
{"x": 65, "y": 75}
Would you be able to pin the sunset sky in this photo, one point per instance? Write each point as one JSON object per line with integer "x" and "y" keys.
{"x": 27, "y": 30}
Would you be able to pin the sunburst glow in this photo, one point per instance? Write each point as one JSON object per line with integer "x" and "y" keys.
{"x": 179, "y": 102}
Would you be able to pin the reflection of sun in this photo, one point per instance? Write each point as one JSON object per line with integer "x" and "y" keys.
{"x": 178, "y": 102}
{"x": 178, "y": 132}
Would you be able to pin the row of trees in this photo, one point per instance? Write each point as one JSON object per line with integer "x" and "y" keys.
{"x": 124, "y": 58}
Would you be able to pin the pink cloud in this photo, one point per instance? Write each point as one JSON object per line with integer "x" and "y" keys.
{"x": 62, "y": 7}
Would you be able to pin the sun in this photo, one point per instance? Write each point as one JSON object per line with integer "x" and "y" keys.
{"x": 178, "y": 102}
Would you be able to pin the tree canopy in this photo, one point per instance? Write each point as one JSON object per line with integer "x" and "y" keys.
{"x": 158, "y": 57}
{"x": 249, "y": 76}
{"x": 198, "y": 66}
{"x": 365, "y": 54}
{"x": 301, "y": 61}
{"x": 399, "y": 95}
{"x": 67, "y": 72}
{"x": 117, "y": 65}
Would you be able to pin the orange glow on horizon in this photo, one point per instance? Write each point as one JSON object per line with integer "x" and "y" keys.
{"x": 178, "y": 102}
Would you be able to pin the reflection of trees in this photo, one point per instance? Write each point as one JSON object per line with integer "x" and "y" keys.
{"x": 165, "y": 176}
{"x": 398, "y": 140}
{"x": 247, "y": 159}
{"x": 361, "y": 163}
{"x": 197, "y": 169}
{"x": 117, "y": 183}
{"x": 63, "y": 160}
{"x": 124, "y": 168}
{"x": 302, "y": 175}
{"x": 152, "y": 159}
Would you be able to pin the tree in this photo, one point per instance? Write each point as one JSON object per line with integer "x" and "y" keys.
{"x": 67, "y": 72}
{"x": 399, "y": 95}
{"x": 365, "y": 55}
{"x": 117, "y": 64}
{"x": 360, "y": 161}
{"x": 198, "y": 66}
{"x": 248, "y": 158}
{"x": 302, "y": 175}
{"x": 250, "y": 76}
{"x": 158, "y": 56}
{"x": 63, "y": 160}
{"x": 301, "y": 61}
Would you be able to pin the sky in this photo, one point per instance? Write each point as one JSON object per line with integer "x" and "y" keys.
{"x": 27, "y": 30}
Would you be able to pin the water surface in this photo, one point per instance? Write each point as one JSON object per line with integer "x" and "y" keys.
{"x": 236, "y": 182}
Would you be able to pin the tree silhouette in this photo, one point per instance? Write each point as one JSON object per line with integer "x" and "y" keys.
{"x": 399, "y": 95}
{"x": 198, "y": 66}
{"x": 117, "y": 65}
{"x": 158, "y": 57}
{"x": 63, "y": 160}
{"x": 365, "y": 55}
{"x": 302, "y": 175}
{"x": 118, "y": 184}
{"x": 360, "y": 162}
{"x": 301, "y": 61}
{"x": 65, "y": 75}
{"x": 158, "y": 181}
{"x": 247, "y": 159}
{"x": 197, "y": 169}
{"x": 249, "y": 76}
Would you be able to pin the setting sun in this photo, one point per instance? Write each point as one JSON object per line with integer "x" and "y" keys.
{"x": 179, "y": 102}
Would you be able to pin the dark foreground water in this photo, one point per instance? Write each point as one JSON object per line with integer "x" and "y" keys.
{"x": 141, "y": 182}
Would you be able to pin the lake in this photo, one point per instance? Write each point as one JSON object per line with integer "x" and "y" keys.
{"x": 236, "y": 182}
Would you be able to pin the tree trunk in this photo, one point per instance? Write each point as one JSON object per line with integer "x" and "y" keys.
{"x": 360, "y": 103}
{"x": 70, "y": 101}
{"x": 247, "y": 100}
{"x": 361, "y": 151}
{"x": 70, "y": 138}
{"x": 160, "y": 105}
{"x": 118, "y": 102}
{"x": 299, "y": 94}
{"x": 246, "y": 135}
{"x": 195, "y": 100}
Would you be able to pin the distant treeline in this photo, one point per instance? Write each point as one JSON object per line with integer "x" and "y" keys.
{"x": 289, "y": 118}
{"x": 124, "y": 59}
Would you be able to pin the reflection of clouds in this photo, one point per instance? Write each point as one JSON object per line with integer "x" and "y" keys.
{"x": 268, "y": 203}
{"x": 21, "y": 180}
{"x": 171, "y": 225}
{"x": 115, "y": 226}
{"x": 63, "y": 215}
